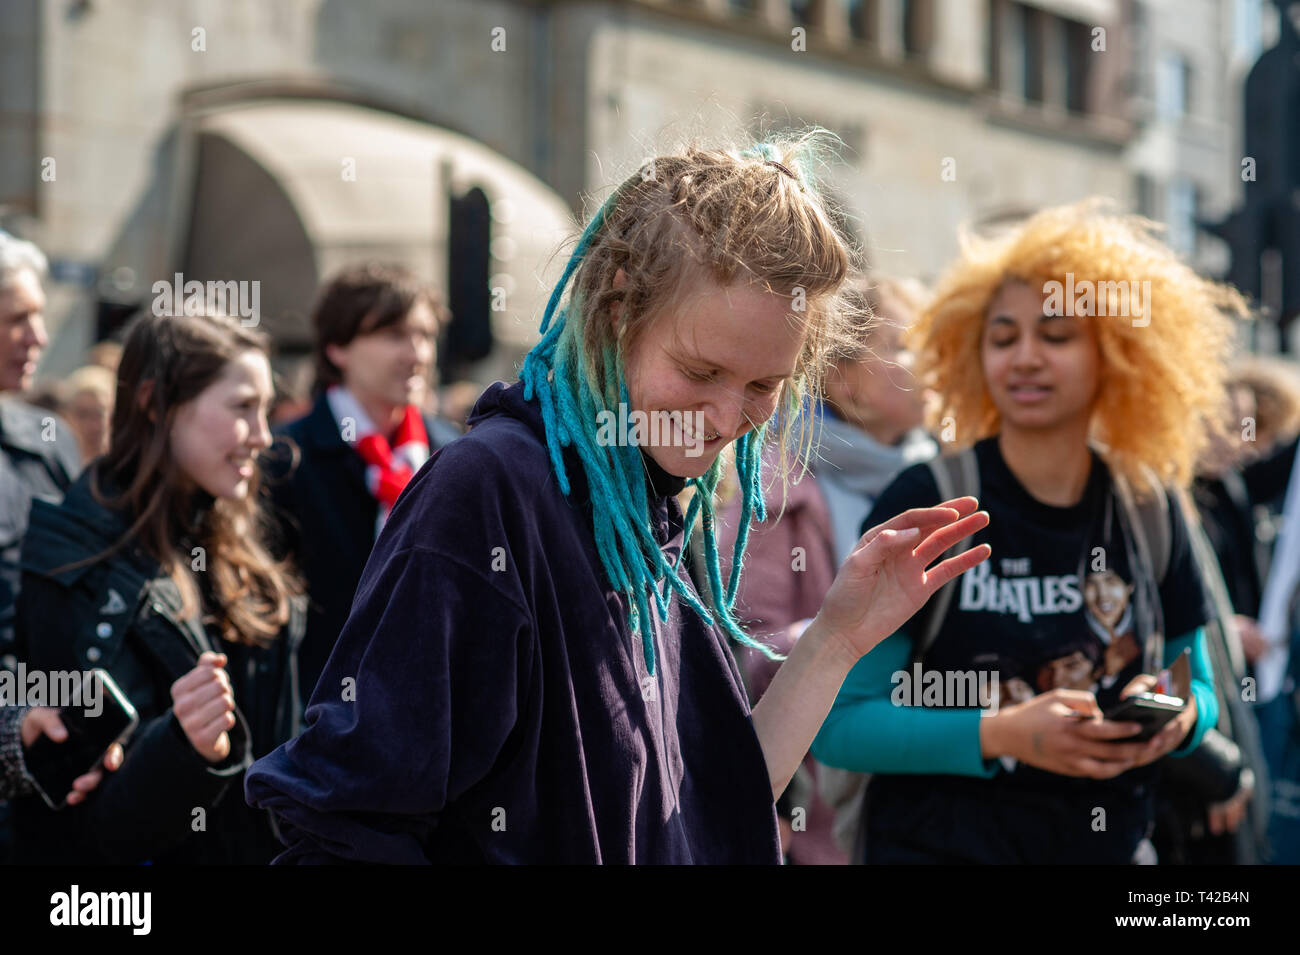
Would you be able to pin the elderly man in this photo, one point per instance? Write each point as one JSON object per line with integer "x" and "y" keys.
{"x": 38, "y": 452}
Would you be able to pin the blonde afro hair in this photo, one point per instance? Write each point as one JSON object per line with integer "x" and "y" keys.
{"x": 1162, "y": 372}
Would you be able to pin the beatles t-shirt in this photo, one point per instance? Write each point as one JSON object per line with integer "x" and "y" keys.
{"x": 1052, "y": 607}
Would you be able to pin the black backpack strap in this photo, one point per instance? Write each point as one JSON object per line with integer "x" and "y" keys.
{"x": 1148, "y": 523}
{"x": 955, "y": 475}
{"x": 1235, "y": 486}
{"x": 1228, "y": 662}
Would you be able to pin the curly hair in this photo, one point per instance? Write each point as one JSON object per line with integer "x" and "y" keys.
{"x": 1161, "y": 379}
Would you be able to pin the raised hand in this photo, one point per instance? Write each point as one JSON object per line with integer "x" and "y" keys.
{"x": 885, "y": 580}
{"x": 204, "y": 704}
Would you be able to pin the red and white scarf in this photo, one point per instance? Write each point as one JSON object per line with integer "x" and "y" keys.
{"x": 388, "y": 468}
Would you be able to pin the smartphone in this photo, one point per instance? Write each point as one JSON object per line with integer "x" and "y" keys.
{"x": 54, "y": 766}
{"x": 1152, "y": 710}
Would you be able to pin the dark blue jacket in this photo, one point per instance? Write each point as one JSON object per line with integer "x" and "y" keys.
{"x": 327, "y": 517}
{"x": 487, "y": 702}
{"x": 38, "y": 460}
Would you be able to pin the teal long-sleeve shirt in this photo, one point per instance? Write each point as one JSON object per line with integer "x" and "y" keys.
{"x": 866, "y": 732}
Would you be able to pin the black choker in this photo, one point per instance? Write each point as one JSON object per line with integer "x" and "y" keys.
{"x": 661, "y": 483}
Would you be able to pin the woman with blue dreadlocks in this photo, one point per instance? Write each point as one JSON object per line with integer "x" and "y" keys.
{"x": 527, "y": 674}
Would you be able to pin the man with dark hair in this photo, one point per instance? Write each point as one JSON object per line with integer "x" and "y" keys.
{"x": 364, "y": 438}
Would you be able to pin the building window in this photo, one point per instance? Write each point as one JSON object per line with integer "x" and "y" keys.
{"x": 744, "y": 6}
{"x": 1147, "y": 197}
{"x": 991, "y": 44}
{"x": 1180, "y": 215}
{"x": 863, "y": 16}
{"x": 918, "y": 33}
{"x": 1247, "y": 30}
{"x": 1078, "y": 64}
{"x": 1031, "y": 31}
{"x": 1017, "y": 69}
{"x": 1009, "y": 50}
{"x": 1173, "y": 75}
{"x": 801, "y": 12}
{"x": 1025, "y": 43}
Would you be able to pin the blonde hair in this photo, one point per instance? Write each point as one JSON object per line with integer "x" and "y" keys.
{"x": 701, "y": 215}
{"x": 93, "y": 379}
{"x": 1159, "y": 379}
{"x": 1275, "y": 385}
{"x": 724, "y": 217}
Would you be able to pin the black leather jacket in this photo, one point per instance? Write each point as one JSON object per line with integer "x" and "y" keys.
{"x": 38, "y": 459}
{"x": 123, "y": 614}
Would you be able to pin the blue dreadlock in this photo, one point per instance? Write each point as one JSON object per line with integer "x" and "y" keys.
{"x": 557, "y": 372}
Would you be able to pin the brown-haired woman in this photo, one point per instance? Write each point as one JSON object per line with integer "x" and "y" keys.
{"x": 154, "y": 568}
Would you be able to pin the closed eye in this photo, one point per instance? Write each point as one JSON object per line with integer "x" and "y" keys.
{"x": 698, "y": 375}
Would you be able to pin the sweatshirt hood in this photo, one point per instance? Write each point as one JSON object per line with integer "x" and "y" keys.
{"x": 501, "y": 398}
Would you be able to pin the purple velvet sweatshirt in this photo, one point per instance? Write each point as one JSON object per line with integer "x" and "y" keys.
{"x": 487, "y": 702}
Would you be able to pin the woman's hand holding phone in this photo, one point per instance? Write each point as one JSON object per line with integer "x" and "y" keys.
{"x": 1064, "y": 731}
{"x": 1061, "y": 731}
{"x": 204, "y": 704}
{"x": 43, "y": 720}
{"x": 1174, "y": 732}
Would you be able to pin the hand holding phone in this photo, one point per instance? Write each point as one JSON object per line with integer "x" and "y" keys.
{"x": 44, "y": 721}
{"x": 1153, "y": 701}
{"x": 1153, "y": 711}
{"x": 66, "y": 748}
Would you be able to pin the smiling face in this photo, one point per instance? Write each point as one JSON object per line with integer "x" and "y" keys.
{"x": 1106, "y": 596}
{"x": 22, "y": 330}
{"x": 392, "y": 364}
{"x": 720, "y": 360}
{"x": 215, "y": 438}
{"x": 1042, "y": 371}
